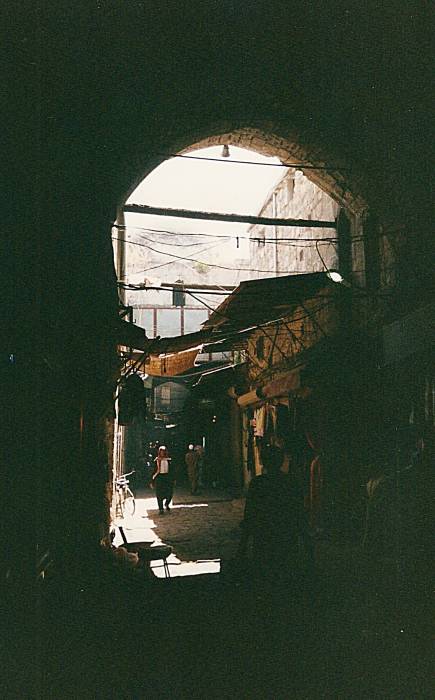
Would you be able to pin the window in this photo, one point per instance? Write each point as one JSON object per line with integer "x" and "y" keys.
{"x": 178, "y": 295}
{"x": 193, "y": 318}
{"x": 165, "y": 394}
{"x": 168, "y": 322}
{"x": 144, "y": 319}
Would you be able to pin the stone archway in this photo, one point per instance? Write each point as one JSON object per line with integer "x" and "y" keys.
{"x": 94, "y": 111}
{"x": 332, "y": 176}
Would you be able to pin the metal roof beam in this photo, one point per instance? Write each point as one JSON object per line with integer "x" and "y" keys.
{"x": 230, "y": 218}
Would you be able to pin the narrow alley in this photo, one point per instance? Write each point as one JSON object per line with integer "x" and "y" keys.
{"x": 217, "y": 349}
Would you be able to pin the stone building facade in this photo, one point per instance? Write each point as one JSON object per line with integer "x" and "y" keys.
{"x": 295, "y": 197}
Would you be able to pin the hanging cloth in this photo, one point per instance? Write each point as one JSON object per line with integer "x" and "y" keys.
{"x": 270, "y": 422}
{"x": 260, "y": 421}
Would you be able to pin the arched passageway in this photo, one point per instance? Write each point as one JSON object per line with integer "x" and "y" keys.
{"x": 97, "y": 97}
{"x": 360, "y": 239}
{"x": 339, "y": 181}
{"x": 332, "y": 176}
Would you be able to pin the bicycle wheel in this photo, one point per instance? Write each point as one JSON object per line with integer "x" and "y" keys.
{"x": 129, "y": 503}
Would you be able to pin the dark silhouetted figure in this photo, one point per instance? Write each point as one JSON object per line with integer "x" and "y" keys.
{"x": 275, "y": 521}
{"x": 191, "y": 458}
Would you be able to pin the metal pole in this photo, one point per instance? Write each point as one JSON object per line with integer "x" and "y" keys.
{"x": 230, "y": 218}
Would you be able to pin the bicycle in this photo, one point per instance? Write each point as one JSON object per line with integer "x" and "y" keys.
{"x": 125, "y": 500}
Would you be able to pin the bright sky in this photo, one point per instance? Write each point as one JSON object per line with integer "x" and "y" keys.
{"x": 207, "y": 186}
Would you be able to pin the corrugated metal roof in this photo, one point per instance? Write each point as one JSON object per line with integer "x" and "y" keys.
{"x": 259, "y": 301}
{"x": 254, "y": 302}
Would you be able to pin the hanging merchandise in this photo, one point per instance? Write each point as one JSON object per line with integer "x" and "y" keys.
{"x": 250, "y": 460}
{"x": 270, "y": 423}
{"x": 260, "y": 421}
{"x": 250, "y": 426}
{"x": 132, "y": 400}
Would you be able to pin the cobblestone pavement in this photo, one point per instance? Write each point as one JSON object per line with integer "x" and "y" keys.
{"x": 203, "y": 529}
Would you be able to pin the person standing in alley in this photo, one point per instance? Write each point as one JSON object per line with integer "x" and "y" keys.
{"x": 163, "y": 478}
{"x": 275, "y": 520}
{"x": 192, "y": 462}
{"x": 201, "y": 466}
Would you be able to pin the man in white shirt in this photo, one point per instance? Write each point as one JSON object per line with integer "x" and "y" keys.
{"x": 163, "y": 479}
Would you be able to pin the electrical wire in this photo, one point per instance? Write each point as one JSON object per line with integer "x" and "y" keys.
{"x": 260, "y": 326}
{"x": 285, "y": 242}
{"x": 202, "y": 262}
{"x": 144, "y": 245}
{"x": 306, "y": 315}
{"x": 124, "y": 227}
{"x": 321, "y": 258}
{"x": 240, "y": 237}
{"x": 353, "y": 285}
{"x": 174, "y": 245}
{"x": 298, "y": 166}
{"x": 251, "y": 294}
{"x": 147, "y": 288}
{"x": 154, "y": 267}
{"x": 210, "y": 308}
{"x": 221, "y": 267}
{"x": 281, "y": 243}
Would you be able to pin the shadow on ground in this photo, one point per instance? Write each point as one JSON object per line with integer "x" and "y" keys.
{"x": 220, "y": 636}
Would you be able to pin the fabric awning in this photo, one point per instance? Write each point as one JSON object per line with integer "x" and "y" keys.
{"x": 172, "y": 364}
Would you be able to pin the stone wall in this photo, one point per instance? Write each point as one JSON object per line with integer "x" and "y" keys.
{"x": 281, "y": 342}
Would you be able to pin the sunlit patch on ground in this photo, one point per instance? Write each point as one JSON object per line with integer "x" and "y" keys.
{"x": 200, "y": 533}
{"x": 187, "y": 568}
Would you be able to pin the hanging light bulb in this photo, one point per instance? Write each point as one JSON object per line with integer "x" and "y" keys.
{"x": 225, "y": 151}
